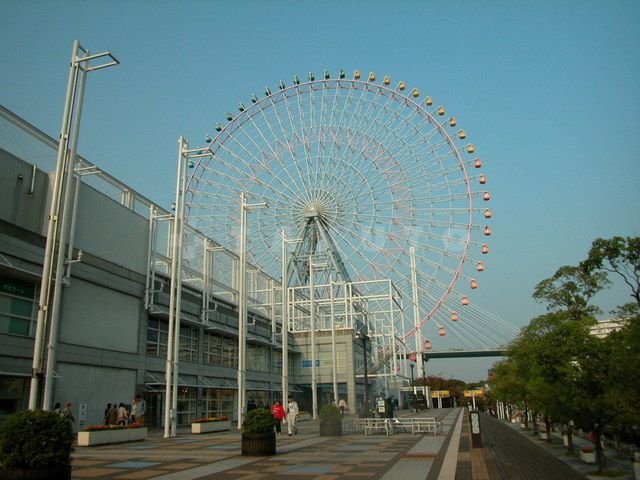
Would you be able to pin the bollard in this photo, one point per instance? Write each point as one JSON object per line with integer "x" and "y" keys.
{"x": 474, "y": 420}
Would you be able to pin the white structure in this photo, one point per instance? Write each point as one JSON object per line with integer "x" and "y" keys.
{"x": 604, "y": 327}
{"x": 113, "y": 333}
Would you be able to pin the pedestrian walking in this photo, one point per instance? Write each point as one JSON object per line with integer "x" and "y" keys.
{"x": 278, "y": 414}
{"x": 111, "y": 415}
{"x": 292, "y": 416}
{"x": 134, "y": 410}
{"x": 390, "y": 407}
{"x": 141, "y": 411}
{"x": 66, "y": 412}
{"x": 123, "y": 415}
{"x": 342, "y": 405}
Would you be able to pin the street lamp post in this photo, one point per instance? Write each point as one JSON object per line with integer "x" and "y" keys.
{"x": 65, "y": 161}
{"x": 366, "y": 378}
{"x": 413, "y": 390}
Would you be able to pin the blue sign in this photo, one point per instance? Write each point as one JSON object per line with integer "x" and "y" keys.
{"x": 307, "y": 363}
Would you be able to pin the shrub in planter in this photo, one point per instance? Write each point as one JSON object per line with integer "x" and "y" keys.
{"x": 258, "y": 436}
{"x": 36, "y": 445}
{"x": 210, "y": 419}
{"x": 330, "y": 421}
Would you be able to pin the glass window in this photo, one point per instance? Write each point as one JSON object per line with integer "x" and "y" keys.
{"x": 157, "y": 337}
{"x": 188, "y": 343}
{"x": 230, "y": 352}
{"x": 17, "y": 306}
{"x": 212, "y": 351}
{"x": 186, "y": 405}
{"x": 218, "y": 402}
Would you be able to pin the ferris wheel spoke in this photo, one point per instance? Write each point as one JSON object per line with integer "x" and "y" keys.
{"x": 254, "y": 169}
{"x": 302, "y": 138}
{"x": 276, "y": 156}
{"x": 377, "y": 170}
{"x": 251, "y": 177}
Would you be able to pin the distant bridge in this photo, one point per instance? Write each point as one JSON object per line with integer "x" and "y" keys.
{"x": 464, "y": 353}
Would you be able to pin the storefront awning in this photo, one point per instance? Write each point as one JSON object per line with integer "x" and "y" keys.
{"x": 155, "y": 381}
{"x": 163, "y": 312}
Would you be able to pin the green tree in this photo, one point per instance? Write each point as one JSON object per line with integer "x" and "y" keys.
{"x": 570, "y": 288}
{"x": 617, "y": 255}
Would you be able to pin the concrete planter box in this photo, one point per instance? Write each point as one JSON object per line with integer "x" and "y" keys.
{"x": 588, "y": 457}
{"x": 210, "y": 427}
{"x": 103, "y": 437}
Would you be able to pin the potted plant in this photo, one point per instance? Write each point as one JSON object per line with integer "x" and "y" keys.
{"x": 36, "y": 445}
{"x": 330, "y": 421}
{"x": 258, "y": 435}
{"x": 588, "y": 455}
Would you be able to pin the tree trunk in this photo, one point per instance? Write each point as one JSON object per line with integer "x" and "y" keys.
{"x": 569, "y": 438}
{"x": 600, "y": 456}
{"x": 547, "y": 427}
{"x": 535, "y": 422}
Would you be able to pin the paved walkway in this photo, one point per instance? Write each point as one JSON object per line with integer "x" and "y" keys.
{"x": 507, "y": 453}
{"x": 622, "y": 465}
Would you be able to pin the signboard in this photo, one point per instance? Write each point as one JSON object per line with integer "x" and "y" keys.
{"x": 474, "y": 420}
{"x": 82, "y": 416}
{"x": 478, "y": 392}
{"x": 307, "y": 363}
{"x": 440, "y": 394}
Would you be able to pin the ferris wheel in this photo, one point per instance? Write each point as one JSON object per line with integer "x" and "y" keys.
{"x": 365, "y": 169}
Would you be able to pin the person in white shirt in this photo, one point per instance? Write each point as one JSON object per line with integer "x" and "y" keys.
{"x": 292, "y": 416}
{"x": 342, "y": 405}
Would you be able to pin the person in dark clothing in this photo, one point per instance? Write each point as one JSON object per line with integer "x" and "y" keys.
{"x": 389, "y": 405}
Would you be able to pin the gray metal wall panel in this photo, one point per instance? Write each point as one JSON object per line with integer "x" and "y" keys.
{"x": 111, "y": 231}
{"x": 95, "y": 387}
{"x": 17, "y": 205}
{"x": 99, "y": 317}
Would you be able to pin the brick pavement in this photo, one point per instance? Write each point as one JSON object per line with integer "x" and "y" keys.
{"x": 507, "y": 453}
{"x": 308, "y": 456}
{"x": 511, "y": 456}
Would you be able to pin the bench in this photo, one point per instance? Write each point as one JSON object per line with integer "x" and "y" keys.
{"x": 351, "y": 425}
{"x": 417, "y": 425}
{"x": 373, "y": 425}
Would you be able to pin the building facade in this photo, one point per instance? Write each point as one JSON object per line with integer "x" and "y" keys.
{"x": 113, "y": 330}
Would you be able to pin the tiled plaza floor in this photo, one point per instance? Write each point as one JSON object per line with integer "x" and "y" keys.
{"x": 307, "y": 455}
{"x": 506, "y": 454}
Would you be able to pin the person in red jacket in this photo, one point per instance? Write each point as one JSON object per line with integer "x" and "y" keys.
{"x": 278, "y": 414}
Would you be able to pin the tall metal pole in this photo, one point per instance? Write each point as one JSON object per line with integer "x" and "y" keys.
{"x": 366, "y": 375}
{"x": 242, "y": 305}
{"x": 177, "y": 291}
{"x": 285, "y": 320}
{"x": 334, "y": 355}
{"x": 242, "y": 309}
{"x": 62, "y": 165}
{"x": 52, "y": 230}
{"x": 63, "y": 237}
{"x": 173, "y": 341}
{"x": 416, "y": 312}
{"x": 314, "y": 384}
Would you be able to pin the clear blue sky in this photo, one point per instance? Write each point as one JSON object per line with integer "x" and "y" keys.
{"x": 548, "y": 91}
